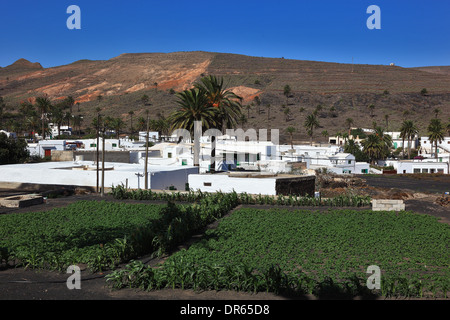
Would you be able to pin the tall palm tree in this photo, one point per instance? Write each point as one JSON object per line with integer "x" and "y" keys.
{"x": 349, "y": 123}
{"x": 290, "y": 131}
{"x": 385, "y": 141}
{"x": 193, "y": 105}
{"x": 371, "y": 109}
{"x": 435, "y": 134}
{"x": 43, "y": 105}
{"x": 372, "y": 147}
{"x": 310, "y": 124}
{"x": 408, "y": 130}
{"x": 77, "y": 121}
{"x": 226, "y": 103}
{"x": 57, "y": 117}
{"x": 117, "y": 125}
{"x": 131, "y": 113}
{"x": 287, "y": 93}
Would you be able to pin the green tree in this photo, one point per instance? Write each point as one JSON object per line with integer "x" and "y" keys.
{"x": 145, "y": 99}
{"x": 43, "y": 105}
{"x": 311, "y": 123}
{"x": 371, "y": 109}
{"x": 12, "y": 150}
{"x": 131, "y": 113}
{"x": 290, "y": 131}
{"x": 372, "y": 147}
{"x": 385, "y": 141}
{"x": 287, "y": 92}
{"x": 408, "y": 131}
{"x": 193, "y": 105}
{"x": 226, "y": 103}
{"x": 435, "y": 134}
{"x": 349, "y": 123}
{"x": 350, "y": 146}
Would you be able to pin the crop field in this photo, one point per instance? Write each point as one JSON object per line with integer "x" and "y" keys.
{"x": 89, "y": 232}
{"x": 281, "y": 248}
{"x": 307, "y": 252}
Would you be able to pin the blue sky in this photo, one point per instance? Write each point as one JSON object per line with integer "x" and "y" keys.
{"x": 413, "y": 33}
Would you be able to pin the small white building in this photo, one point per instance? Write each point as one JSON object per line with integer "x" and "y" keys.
{"x": 422, "y": 166}
{"x": 44, "y": 148}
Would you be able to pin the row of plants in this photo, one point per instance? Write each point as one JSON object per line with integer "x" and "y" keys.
{"x": 122, "y": 193}
{"x": 308, "y": 252}
{"x": 177, "y": 274}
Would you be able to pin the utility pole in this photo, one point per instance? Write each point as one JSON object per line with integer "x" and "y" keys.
{"x": 103, "y": 162}
{"x": 146, "y": 155}
{"x": 98, "y": 141}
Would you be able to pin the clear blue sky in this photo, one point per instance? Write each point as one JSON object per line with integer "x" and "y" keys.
{"x": 413, "y": 33}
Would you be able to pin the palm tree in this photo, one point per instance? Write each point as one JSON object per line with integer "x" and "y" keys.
{"x": 248, "y": 107}
{"x": 287, "y": 92}
{"x": 131, "y": 113}
{"x": 372, "y": 147}
{"x": 436, "y": 112}
{"x": 141, "y": 123}
{"x": 77, "y": 121}
{"x": 226, "y": 103}
{"x": 310, "y": 124}
{"x": 193, "y": 106}
{"x": 435, "y": 134}
{"x": 117, "y": 124}
{"x": 57, "y": 117}
{"x": 386, "y": 118}
{"x": 408, "y": 130}
{"x": 43, "y": 104}
{"x": 287, "y": 114}
{"x": 385, "y": 140}
{"x": 371, "y": 108}
{"x": 290, "y": 131}
{"x": 349, "y": 123}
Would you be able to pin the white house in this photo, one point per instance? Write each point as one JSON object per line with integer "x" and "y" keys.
{"x": 44, "y": 148}
{"x": 424, "y": 166}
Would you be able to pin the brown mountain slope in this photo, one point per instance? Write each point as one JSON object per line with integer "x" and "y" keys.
{"x": 343, "y": 90}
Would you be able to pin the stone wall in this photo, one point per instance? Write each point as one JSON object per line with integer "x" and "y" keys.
{"x": 387, "y": 205}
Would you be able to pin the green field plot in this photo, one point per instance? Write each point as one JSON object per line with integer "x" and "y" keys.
{"x": 90, "y": 232}
{"x": 310, "y": 253}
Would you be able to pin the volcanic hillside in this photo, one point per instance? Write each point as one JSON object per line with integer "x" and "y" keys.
{"x": 342, "y": 90}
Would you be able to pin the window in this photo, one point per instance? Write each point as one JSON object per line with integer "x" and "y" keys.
{"x": 440, "y": 170}
{"x": 424, "y": 170}
{"x": 207, "y": 184}
{"x": 432, "y": 170}
{"x": 247, "y": 157}
{"x": 169, "y": 155}
{"x": 93, "y": 145}
{"x": 416, "y": 170}
{"x": 349, "y": 161}
{"x": 114, "y": 145}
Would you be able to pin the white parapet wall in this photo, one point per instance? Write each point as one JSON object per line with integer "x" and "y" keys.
{"x": 387, "y": 205}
